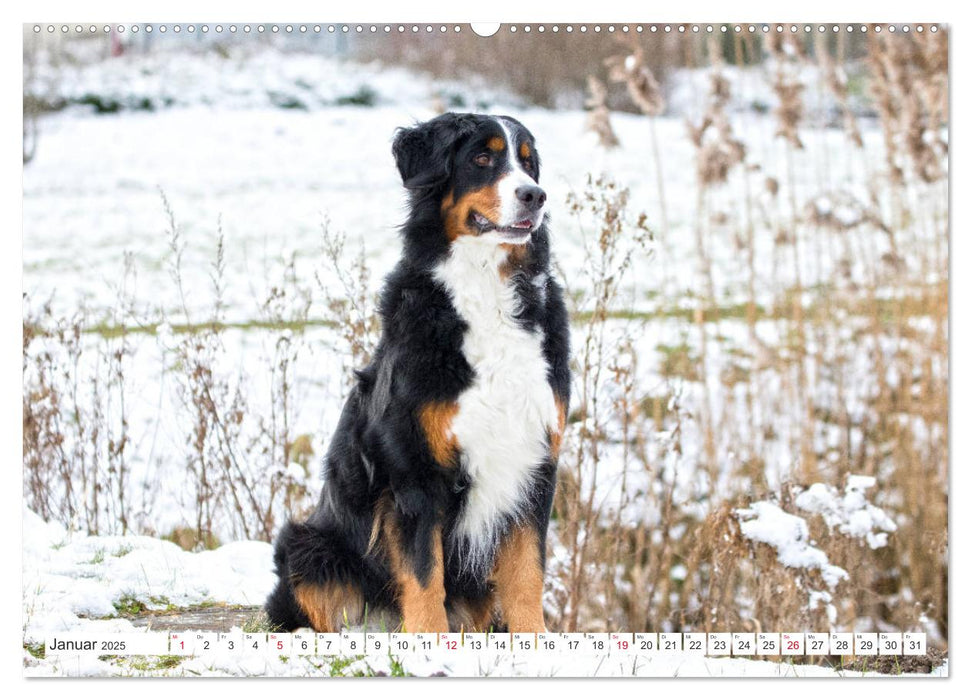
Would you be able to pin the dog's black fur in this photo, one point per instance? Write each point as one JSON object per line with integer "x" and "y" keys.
{"x": 380, "y": 463}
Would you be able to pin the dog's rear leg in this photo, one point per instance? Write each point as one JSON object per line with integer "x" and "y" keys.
{"x": 317, "y": 584}
{"x": 518, "y": 576}
{"x": 329, "y": 606}
{"x": 419, "y": 572}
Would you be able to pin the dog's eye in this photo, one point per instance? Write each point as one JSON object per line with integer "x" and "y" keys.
{"x": 483, "y": 160}
{"x": 528, "y": 164}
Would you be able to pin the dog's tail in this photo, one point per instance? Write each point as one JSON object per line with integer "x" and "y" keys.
{"x": 281, "y": 607}
{"x": 308, "y": 555}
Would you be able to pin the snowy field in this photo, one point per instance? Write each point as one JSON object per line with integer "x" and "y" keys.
{"x": 72, "y": 583}
{"x": 268, "y": 149}
{"x": 270, "y": 177}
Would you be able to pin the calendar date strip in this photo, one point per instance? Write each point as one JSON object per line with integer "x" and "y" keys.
{"x": 714, "y": 644}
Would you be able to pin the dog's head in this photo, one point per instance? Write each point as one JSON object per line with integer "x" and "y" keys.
{"x": 481, "y": 172}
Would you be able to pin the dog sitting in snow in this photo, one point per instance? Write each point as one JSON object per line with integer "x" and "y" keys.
{"x": 439, "y": 481}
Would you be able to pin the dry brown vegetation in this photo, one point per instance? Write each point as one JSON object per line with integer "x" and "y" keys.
{"x": 246, "y": 469}
{"x": 882, "y": 326}
{"x": 546, "y": 67}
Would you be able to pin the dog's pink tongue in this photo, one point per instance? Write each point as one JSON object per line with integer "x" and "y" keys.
{"x": 525, "y": 223}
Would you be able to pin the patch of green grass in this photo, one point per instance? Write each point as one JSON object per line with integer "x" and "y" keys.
{"x": 916, "y": 302}
{"x": 364, "y": 96}
{"x": 152, "y": 663}
{"x": 397, "y": 669}
{"x": 122, "y": 551}
{"x": 685, "y": 313}
{"x": 129, "y": 605}
{"x": 339, "y": 668}
{"x": 98, "y": 557}
{"x": 897, "y": 668}
{"x": 161, "y": 601}
{"x": 210, "y": 604}
{"x": 258, "y": 623}
{"x": 37, "y": 650}
{"x": 109, "y": 330}
{"x": 101, "y": 104}
{"x": 112, "y": 330}
{"x": 338, "y": 664}
{"x": 286, "y": 101}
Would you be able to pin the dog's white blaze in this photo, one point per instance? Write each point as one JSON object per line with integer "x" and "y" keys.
{"x": 510, "y": 210}
{"x": 504, "y": 418}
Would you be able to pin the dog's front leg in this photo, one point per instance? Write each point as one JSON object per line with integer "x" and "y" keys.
{"x": 415, "y": 554}
{"x": 518, "y": 577}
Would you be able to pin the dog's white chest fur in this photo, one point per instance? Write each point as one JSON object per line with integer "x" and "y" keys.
{"x": 504, "y": 418}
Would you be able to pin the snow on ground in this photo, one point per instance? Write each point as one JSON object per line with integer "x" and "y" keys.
{"x": 268, "y": 177}
{"x": 72, "y": 583}
{"x": 242, "y": 79}
{"x": 463, "y": 665}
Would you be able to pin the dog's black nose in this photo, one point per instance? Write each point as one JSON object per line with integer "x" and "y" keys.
{"x": 532, "y": 196}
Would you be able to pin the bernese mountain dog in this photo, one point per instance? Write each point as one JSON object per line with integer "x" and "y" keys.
{"x": 439, "y": 480}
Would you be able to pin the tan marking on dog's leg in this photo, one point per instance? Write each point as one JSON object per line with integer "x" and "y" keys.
{"x": 556, "y": 434}
{"x": 329, "y": 605}
{"x": 436, "y": 423}
{"x": 518, "y": 577}
{"x": 422, "y": 606}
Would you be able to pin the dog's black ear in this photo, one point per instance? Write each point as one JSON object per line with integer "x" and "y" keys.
{"x": 424, "y": 153}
